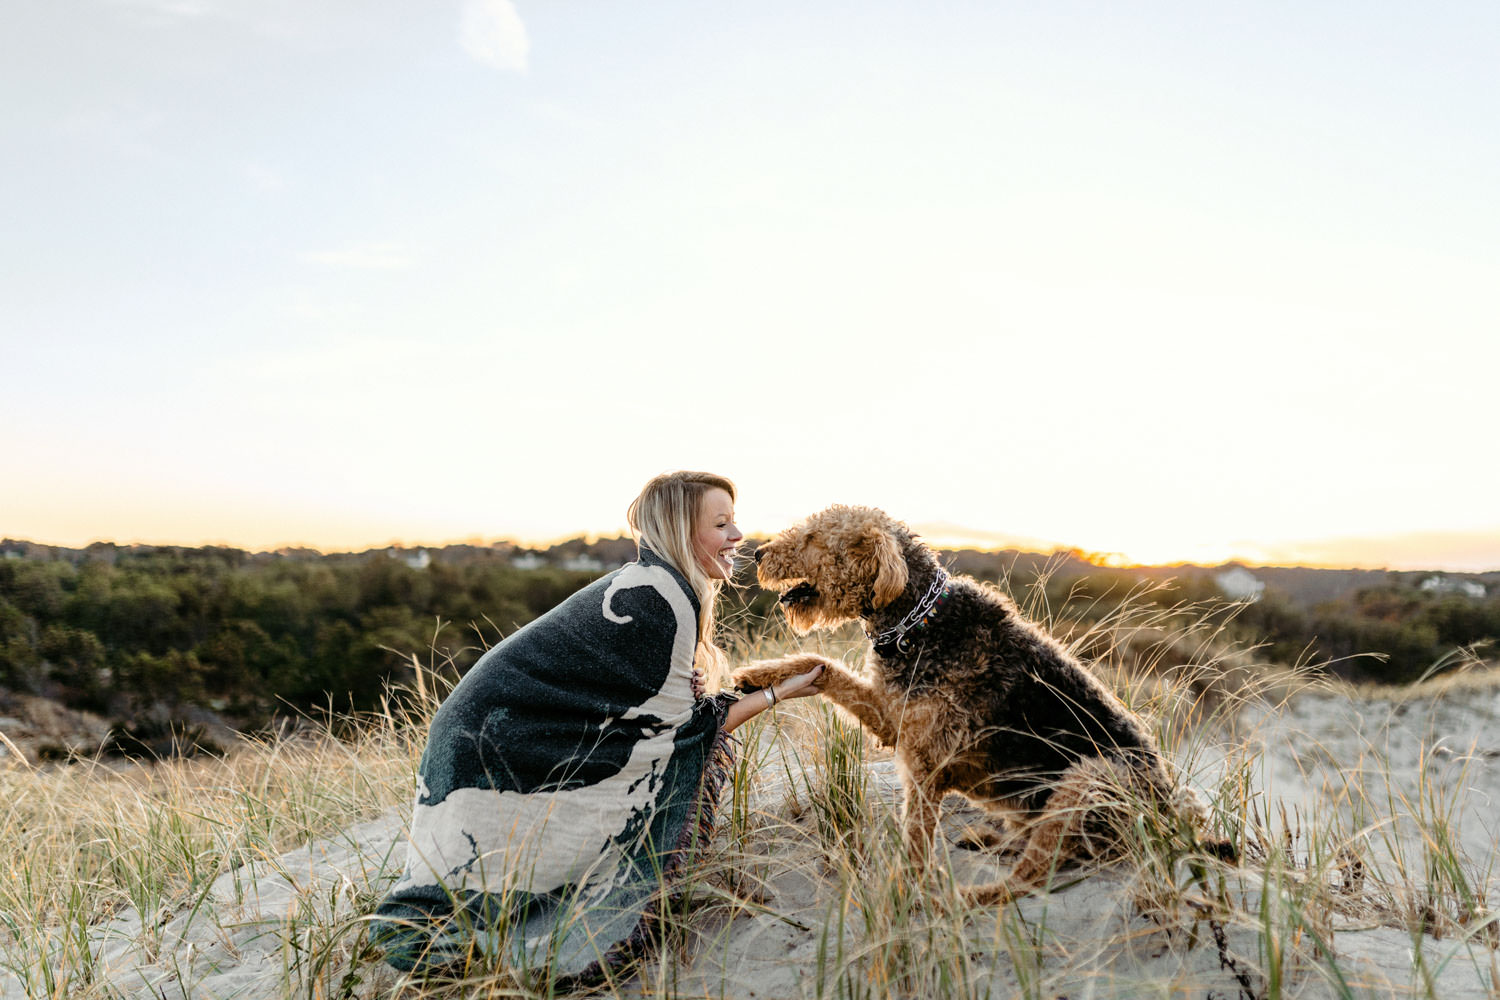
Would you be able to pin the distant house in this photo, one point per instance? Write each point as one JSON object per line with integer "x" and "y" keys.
{"x": 419, "y": 559}
{"x": 582, "y": 563}
{"x": 528, "y": 560}
{"x": 1439, "y": 584}
{"x": 1239, "y": 584}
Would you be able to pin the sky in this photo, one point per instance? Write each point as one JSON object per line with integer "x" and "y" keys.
{"x": 1170, "y": 281}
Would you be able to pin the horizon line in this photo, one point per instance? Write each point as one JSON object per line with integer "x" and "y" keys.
{"x": 940, "y": 536}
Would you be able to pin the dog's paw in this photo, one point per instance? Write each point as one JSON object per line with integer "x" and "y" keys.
{"x": 767, "y": 672}
{"x": 982, "y": 837}
{"x": 995, "y": 894}
{"x": 761, "y": 675}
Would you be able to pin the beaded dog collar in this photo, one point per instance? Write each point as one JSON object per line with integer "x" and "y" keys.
{"x": 916, "y": 618}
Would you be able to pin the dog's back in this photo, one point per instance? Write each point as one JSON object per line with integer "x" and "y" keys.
{"x": 1032, "y": 710}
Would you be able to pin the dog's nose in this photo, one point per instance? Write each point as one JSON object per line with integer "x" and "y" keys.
{"x": 757, "y": 555}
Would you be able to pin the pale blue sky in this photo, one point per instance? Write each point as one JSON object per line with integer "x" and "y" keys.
{"x": 1172, "y": 280}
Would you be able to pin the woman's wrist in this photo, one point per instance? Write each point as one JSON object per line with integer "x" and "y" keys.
{"x": 747, "y": 707}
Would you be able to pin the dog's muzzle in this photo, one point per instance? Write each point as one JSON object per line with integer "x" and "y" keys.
{"x": 802, "y": 593}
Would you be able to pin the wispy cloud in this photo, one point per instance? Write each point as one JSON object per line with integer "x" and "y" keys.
{"x": 491, "y": 31}
{"x": 364, "y": 257}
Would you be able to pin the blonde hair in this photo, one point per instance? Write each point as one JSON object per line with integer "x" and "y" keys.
{"x": 664, "y": 519}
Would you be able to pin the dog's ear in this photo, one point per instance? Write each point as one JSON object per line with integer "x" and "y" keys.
{"x": 890, "y": 567}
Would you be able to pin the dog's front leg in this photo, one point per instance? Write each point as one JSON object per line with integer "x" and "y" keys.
{"x": 861, "y": 698}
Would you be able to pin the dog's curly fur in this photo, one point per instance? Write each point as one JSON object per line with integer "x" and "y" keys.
{"x": 979, "y": 701}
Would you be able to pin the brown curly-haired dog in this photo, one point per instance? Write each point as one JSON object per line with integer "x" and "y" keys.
{"x": 974, "y": 698}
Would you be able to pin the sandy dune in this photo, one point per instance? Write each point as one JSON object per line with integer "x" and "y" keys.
{"x": 256, "y": 932}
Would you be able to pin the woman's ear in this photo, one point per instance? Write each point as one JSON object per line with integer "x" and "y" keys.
{"x": 890, "y": 568}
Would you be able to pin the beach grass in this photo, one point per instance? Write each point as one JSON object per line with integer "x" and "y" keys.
{"x": 1361, "y": 874}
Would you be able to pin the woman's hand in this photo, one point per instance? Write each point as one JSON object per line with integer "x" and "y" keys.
{"x": 800, "y": 686}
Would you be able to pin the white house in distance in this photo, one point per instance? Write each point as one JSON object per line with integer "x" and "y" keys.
{"x": 419, "y": 559}
{"x": 1440, "y": 584}
{"x": 1239, "y": 584}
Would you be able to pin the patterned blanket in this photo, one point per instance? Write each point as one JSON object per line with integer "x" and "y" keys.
{"x": 563, "y": 780}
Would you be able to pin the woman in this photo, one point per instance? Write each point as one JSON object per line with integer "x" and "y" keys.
{"x": 572, "y": 766}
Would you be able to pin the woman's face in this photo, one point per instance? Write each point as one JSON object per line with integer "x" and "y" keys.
{"x": 715, "y": 536}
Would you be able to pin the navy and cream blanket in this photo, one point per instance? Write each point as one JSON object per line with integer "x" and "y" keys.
{"x": 563, "y": 780}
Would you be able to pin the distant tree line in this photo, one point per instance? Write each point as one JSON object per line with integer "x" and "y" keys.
{"x": 1365, "y": 626}
{"x": 250, "y": 636}
{"x": 123, "y": 631}
{"x": 1393, "y": 633}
